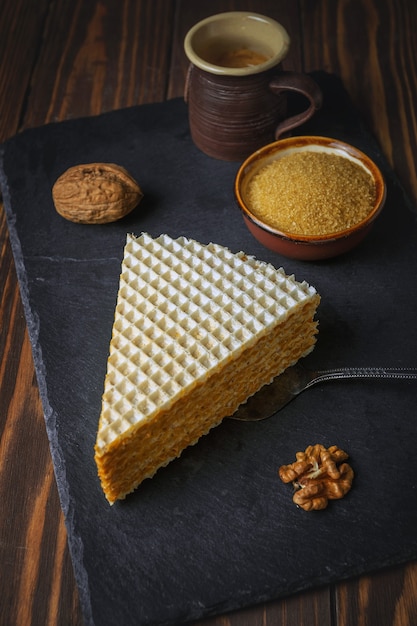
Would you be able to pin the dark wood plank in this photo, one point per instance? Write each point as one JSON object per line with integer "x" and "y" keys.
{"x": 386, "y": 598}
{"x": 36, "y": 581}
{"x": 21, "y": 36}
{"x": 372, "y": 47}
{"x": 100, "y": 56}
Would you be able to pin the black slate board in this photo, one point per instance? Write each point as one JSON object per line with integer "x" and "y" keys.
{"x": 216, "y": 529}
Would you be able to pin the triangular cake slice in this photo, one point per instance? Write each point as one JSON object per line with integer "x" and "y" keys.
{"x": 197, "y": 330}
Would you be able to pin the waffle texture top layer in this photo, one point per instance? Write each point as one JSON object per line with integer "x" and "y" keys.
{"x": 184, "y": 310}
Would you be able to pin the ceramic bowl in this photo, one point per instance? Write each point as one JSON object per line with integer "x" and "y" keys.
{"x": 306, "y": 247}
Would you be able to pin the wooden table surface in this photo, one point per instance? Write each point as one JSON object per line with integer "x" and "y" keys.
{"x": 64, "y": 59}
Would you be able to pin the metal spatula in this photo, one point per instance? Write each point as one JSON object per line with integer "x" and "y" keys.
{"x": 271, "y": 398}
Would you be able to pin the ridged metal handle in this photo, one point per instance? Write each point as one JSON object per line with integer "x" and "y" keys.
{"x": 409, "y": 373}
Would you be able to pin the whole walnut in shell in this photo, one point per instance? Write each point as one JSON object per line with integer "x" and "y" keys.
{"x": 95, "y": 193}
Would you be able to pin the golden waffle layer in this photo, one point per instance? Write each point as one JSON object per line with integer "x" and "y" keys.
{"x": 197, "y": 330}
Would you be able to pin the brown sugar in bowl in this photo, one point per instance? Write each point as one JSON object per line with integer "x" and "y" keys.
{"x": 308, "y": 245}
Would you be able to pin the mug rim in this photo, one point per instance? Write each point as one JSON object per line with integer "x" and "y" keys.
{"x": 212, "y": 68}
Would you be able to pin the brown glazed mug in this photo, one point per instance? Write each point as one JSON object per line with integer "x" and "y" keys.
{"x": 236, "y": 90}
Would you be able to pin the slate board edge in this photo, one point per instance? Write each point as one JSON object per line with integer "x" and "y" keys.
{"x": 74, "y": 541}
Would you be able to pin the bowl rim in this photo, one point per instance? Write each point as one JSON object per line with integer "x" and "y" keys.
{"x": 303, "y": 142}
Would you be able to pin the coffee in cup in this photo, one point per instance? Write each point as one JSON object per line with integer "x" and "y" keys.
{"x": 240, "y": 57}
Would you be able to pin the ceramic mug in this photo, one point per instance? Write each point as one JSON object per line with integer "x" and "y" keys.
{"x": 236, "y": 90}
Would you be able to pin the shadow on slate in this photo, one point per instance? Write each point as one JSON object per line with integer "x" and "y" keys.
{"x": 216, "y": 530}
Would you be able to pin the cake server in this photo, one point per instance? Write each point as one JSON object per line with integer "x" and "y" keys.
{"x": 284, "y": 388}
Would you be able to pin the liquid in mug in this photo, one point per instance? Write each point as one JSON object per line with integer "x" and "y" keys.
{"x": 240, "y": 57}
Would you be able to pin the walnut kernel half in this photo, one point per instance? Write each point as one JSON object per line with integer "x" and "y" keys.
{"x": 318, "y": 475}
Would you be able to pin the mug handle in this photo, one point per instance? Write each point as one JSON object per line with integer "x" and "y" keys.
{"x": 300, "y": 83}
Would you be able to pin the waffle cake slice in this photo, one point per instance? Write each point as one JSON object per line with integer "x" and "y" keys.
{"x": 197, "y": 330}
